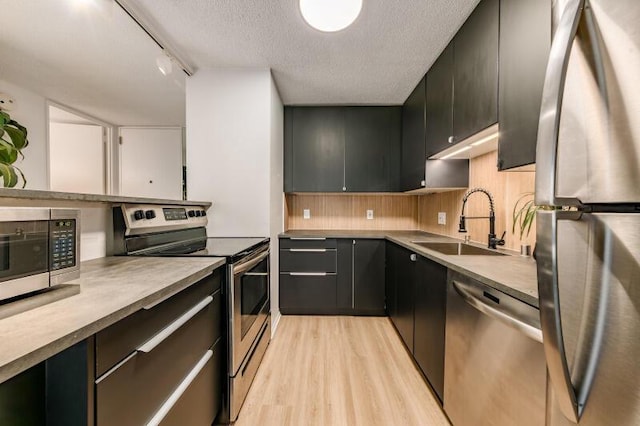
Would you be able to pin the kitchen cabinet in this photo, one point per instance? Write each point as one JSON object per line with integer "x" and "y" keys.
{"x": 342, "y": 149}
{"x": 402, "y": 272}
{"x": 317, "y": 149}
{"x": 308, "y": 276}
{"x": 329, "y": 276}
{"x": 416, "y": 291}
{"x": 475, "y": 76}
{"x": 429, "y": 326}
{"x": 439, "y": 103}
{"x": 372, "y": 150}
{"x": 462, "y": 84}
{"x": 361, "y": 276}
{"x": 413, "y": 139}
{"x": 22, "y": 398}
{"x": 525, "y": 40}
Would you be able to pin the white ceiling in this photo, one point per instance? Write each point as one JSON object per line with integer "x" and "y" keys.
{"x": 377, "y": 60}
{"x": 90, "y": 56}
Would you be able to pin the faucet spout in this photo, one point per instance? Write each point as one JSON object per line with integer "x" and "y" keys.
{"x": 492, "y": 240}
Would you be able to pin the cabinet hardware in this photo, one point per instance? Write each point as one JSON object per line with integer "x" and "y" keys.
{"x": 308, "y": 274}
{"x": 451, "y": 139}
{"x": 413, "y": 257}
{"x": 150, "y": 344}
{"x": 307, "y": 250}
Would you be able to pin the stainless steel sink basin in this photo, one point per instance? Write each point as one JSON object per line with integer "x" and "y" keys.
{"x": 458, "y": 249}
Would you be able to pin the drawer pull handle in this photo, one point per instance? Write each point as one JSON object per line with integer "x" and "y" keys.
{"x": 256, "y": 274}
{"x": 307, "y": 239}
{"x": 115, "y": 367}
{"x": 308, "y": 274}
{"x": 150, "y": 344}
{"x": 307, "y": 250}
{"x": 182, "y": 387}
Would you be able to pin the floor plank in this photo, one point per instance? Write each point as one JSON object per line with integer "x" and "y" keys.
{"x": 338, "y": 371}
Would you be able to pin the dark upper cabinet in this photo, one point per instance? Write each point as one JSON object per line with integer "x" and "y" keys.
{"x": 372, "y": 160}
{"x": 317, "y": 149}
{"x": 413, "y": 139}
{"x": 439, "y": 108}
{"x": 342, "y": 149}
{"x": 525, "y": 39}
{"x": 462, "y": 84}
{"x": 430, "y": 313}
{"x": 475, "y": 76}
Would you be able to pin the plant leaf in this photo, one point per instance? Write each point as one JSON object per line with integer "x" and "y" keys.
{"x": 24, "y": 179}
{"x": 9, "y": 176}
{"x": 18, "y": 137}
{"x": 8, "y": 153}
{"x": 23, "y": 130}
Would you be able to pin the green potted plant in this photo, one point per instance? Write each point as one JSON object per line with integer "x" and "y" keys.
{"x": 13, "y": 139}
{"x": 524, "y": 214}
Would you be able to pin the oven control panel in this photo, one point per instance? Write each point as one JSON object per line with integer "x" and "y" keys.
{"x": 144, "y": 218}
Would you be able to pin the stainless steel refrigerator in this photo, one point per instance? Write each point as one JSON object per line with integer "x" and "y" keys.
{"x": 588, "y": 241}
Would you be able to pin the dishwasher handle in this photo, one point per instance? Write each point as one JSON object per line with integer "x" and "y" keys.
{"x": 528, "y": 330}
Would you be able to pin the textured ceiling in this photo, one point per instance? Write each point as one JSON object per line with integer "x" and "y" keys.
{"x": 377, "y": 60}
{"x": 90, "y": 56}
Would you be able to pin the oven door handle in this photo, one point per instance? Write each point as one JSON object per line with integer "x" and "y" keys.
{"x": 242, "y": 267}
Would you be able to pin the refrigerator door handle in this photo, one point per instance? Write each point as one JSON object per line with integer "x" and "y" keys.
{"x": 550, "y": 320}
{"x": 552, "y": 94}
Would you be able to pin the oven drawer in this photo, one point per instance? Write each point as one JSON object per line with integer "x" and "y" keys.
{"x": 308, "y": 260}
{"x": 131, "y": 392}
{"x": 308, "y": 294}
{"x": 308, "y": 243}
{"x": 116, "y": 342}
{"x": 199, "y": 401}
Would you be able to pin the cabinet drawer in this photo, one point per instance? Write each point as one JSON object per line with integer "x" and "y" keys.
{"x": 308, "y": 294}
{"x": 116, "y": 342}
{"x": 308, "y": 260}
{"x": 133, "y": 391}
{"x": 202, "y": 398}
{"x": 308, "y": 243}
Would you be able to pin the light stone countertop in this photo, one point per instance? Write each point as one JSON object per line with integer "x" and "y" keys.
{"x": 111, "y": 289}
{"x": 512, "y": 274}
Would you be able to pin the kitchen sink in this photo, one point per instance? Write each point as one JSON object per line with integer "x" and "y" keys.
{"x": 458, "y": 249}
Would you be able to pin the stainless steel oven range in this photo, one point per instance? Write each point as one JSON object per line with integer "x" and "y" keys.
{"x": 157, "y": 230}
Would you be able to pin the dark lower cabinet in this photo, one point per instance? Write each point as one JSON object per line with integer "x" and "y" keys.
{"x": 416, "y": 291}
{"x": 429, "y": 327}
{"x": 525, "y": 26}
{"x": 352, "y": 283}
{"x": 22, "y": 398}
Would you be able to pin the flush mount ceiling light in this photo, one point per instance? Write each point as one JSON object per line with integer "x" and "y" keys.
{"x": 330, "y": 15}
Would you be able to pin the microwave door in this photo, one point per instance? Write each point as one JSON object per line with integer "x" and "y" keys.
{"x": 590, "y": 116}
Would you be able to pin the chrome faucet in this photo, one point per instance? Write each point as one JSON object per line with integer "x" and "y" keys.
{"x": 492, "y": 240}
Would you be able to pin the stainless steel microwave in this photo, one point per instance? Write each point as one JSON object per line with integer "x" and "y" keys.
{"x": 39, "y": 248}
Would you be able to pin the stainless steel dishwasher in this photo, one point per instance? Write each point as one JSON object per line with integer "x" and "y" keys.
{"x": 495, "y": 371}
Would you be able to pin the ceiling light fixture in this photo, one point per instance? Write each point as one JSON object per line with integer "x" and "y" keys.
{"x": 330, "y": 15}
{"x": 164, "y": 64}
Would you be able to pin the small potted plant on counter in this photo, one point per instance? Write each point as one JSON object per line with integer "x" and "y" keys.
{"x": 524, "y": 214}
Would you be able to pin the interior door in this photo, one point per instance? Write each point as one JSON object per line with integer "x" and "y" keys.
{"x": 151, "y": 162}
{"x": 588, "y": 274}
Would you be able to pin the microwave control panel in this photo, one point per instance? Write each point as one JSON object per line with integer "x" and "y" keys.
{"x": 63, "y": 243}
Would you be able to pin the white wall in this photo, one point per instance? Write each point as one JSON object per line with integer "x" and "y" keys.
{"x": 276, "y": 197}
{"x": 31, "y": 112}
{"x": 234, "y": 156}
{"x": 228, "y": 139}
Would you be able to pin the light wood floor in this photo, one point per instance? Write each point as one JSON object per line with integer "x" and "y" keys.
{"x": 338, "y": 371}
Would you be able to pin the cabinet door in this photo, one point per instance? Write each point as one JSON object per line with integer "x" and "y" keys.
{"x": 392, "y": 255}
{"x": 405, "y": 295}
{"x": 430, "y": 309}
{"x": 439, "y": 102}
{"x": 345, "y": 276}
{"x": 525, "y": 26}
{"x": 475, "y": 77}
{"x": 318, "y": 146}
{"x": 413, "y": 139}
{"x": 22, "y": 398}
{"x": 368, "y": 276}
{"x": 307, "y": 295}
{"x": 372, "y": 138}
